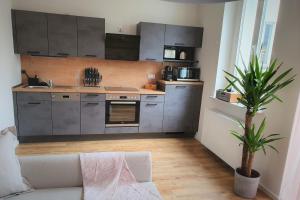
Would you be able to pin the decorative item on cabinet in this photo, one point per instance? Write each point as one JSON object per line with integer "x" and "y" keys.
{"x": 92, "y": 77}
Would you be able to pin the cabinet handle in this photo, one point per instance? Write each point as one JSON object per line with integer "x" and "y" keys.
{"x": 92, "y": 95}
{"x": 90, "y": 55}
{"x": 93, "y": 103}
{"x": 62, "y": 54}
{"x": 151, "y": 104}
{"x": 34, "y": 103}
{"x": 152, "y": 96}
{"x": 33, "y": 52}
{"x": 180, "y": 86}
{"x": 151, "y": 59}
{"x": 179, "y": 44}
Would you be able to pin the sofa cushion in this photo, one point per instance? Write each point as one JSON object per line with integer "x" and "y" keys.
{"x": 11, "y": 180}
{"x": 73, "y": 193}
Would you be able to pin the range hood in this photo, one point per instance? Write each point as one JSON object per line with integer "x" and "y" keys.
{"x": 122, "y": 47}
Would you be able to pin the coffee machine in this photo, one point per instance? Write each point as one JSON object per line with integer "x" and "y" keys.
{"x": 168, "y": 73}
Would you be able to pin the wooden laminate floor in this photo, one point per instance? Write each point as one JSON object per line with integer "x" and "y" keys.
{"x": 182, "y": 168}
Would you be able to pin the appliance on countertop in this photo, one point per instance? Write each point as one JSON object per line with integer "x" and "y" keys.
{"x": 168, "y": 73}
{"x": 92, "y": 77}
{"x": 122, "y": 109}
{"x": 35, "y": 82}
{"x": 188, "y": 74}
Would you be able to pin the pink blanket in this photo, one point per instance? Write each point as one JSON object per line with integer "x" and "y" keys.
{"x": 106, "y": 176}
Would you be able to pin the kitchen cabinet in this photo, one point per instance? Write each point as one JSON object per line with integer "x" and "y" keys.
{"x": 34, "y": 114}
{"x": 152, "y": 41}
{"x": 92, "y": 113}
{"x": 181, "y": 108}
{"x": 66, "y": 113}
{"x": 151, "y": 113}
{"x": 91, "y": 37}
{"x": 183, "y": 36}
{"x": 62, "y": 35}
{"x": 30, "y": 32}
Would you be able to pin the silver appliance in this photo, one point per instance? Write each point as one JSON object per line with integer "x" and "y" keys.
{"x": 122, "y": 107}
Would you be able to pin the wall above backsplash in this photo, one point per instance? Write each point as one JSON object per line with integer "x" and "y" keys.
{"x": 120, "y": 16}
{"x": 69, "y": 71}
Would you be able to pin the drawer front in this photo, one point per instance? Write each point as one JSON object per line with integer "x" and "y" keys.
{"x": 151, "y": 117}
{"x": 34, "y": 118}
{"x": 92, "y": 117}
{"x": 33, "y": 96}
{"x": 153, "y": 98}
{"x": 66, "y": 97}
{"x": 66, "y": 118}
{"x": 116, "y": 130}
{"x": 92, "y": 97}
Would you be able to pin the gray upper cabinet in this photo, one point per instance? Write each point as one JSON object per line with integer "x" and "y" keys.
{"x": 62, "y": 35}
{"x": 183, "y": 36}
{"x": 30, "y": 32}
{"x": 152, "y": 41}
{"x": 182, "y": 105}
{"x": 91, "y": 37}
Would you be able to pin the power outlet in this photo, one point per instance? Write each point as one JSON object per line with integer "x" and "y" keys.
{"x": 151, "y": 76}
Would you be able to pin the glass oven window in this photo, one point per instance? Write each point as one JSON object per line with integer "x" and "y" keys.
{"x": 122, "y": 113}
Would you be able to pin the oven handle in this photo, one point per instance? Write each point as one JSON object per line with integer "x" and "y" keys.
{"x": 123, "y": 102}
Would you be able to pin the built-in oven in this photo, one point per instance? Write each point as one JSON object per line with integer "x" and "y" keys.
{"x": 122, "y": 110}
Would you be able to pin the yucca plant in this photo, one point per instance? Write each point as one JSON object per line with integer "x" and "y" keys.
{"x": 257, "y": 87}
{"x": 256, "y": 141}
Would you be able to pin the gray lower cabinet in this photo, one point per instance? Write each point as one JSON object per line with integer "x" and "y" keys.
{"x": 66, "y": 113}
{"x": 152, "y": 41}
{"x": 183, "y": 36}
{"x": 181, "y": 109}
{"x": 34, "y": 118}
{"x": 62, "y": 35}
{"x": 91, "y": 37}
{"x": 30, "y": 32}
{"x": 151, "y": 117}
{"x": 92, "y": 117}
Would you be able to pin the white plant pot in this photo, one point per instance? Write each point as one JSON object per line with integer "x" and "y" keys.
{"x": 246, "y": 186}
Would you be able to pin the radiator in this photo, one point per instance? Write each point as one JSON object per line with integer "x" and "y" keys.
{"x": 216, "y": 137}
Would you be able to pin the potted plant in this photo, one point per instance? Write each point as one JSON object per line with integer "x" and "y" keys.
{"x": 257, "y": 87}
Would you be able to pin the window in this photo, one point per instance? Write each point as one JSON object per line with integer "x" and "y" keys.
{"x": 257, "y": 30}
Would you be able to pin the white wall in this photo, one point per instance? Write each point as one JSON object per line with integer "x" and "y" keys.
{"x": 9, "y": 66}
{"x": 124, "y": 14}
{"x": 280, "y": 116}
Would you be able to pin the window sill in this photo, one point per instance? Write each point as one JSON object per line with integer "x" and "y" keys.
{"x": 231, "y": 105}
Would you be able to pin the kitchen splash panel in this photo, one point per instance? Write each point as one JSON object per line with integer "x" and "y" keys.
{"x": 70, "y": 71}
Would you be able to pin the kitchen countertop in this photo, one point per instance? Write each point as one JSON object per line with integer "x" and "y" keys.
{"x": 71, "y": 89}
{"x": 180, "y": 82}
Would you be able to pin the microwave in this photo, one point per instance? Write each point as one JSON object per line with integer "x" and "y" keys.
{"x": 188, "y": 74}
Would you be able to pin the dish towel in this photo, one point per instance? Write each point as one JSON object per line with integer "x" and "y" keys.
{"x": 106, "y": 176}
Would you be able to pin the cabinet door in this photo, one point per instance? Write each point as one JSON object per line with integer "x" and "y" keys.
{"x": 196, "y": 106}
{"x": 183, "y": 36}
{"x": 62, "y": 35}
{"x": 151, "y": 117}
{"x": 152, "y": 41}
{"x": 92, "y": 117}
{"x": 66, "y": 118}
{"x": 31, "y": 33}
{"x": 34, "y": 118}
{"x": 91, "y": 37}
{"x": 178, "y": 114}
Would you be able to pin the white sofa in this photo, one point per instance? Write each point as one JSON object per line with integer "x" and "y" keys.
{"x": 58, "y": 177}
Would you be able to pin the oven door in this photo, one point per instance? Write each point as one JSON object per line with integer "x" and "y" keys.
{"x": 122, "y": 113}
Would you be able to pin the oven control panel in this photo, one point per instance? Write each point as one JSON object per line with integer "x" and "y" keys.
{"x": 123, "y": 97}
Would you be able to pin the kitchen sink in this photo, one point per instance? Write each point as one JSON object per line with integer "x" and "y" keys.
{"x": 38, "y": 86}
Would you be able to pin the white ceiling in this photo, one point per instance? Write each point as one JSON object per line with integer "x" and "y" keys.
{"x": 199, "y": 1}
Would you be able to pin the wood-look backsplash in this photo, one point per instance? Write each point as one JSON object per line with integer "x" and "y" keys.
{"x": 69, "y": 71}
